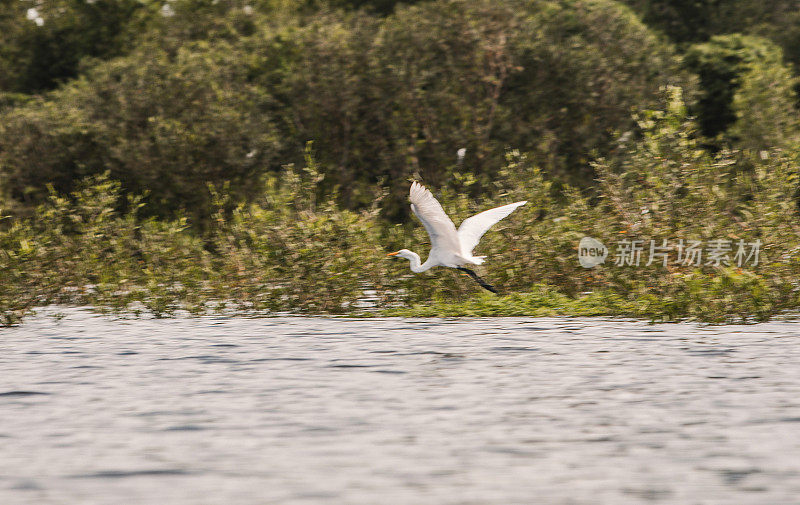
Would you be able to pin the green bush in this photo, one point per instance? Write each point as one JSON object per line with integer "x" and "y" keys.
{"x": 664, "y": 185}
{"x": 38, "y": 57}
{"x": 400, "y": 95}
{"x": 164, "y": 125}
{"x": 238, "y": 93}
{"x": 692, "y": 21}
{"x": 292, "y": 250}
{"x": 747, "y": 94}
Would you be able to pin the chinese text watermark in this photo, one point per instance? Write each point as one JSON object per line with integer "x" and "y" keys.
{"x": 634, "y": 253}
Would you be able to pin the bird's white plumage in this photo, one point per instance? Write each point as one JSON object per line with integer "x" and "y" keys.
{"x": 473, "y": 228}
{"x": 440, "y": 228}
{"x": 450, "y": 247}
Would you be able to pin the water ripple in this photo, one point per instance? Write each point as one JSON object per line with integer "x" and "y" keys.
{"x": 305, "y": 411}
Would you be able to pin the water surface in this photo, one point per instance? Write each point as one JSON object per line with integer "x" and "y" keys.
{"x": 99, "y": 410}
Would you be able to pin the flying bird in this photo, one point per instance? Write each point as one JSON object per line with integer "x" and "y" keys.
{"x": 450, "y": 247}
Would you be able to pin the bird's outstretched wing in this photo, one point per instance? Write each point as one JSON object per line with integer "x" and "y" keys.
{"x": 473, "y": 228}
{"x": 440, "y": 228}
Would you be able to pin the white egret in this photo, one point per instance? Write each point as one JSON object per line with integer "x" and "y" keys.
{"x": 450, "y": 247}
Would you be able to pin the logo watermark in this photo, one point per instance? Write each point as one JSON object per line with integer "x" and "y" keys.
{"x": 591, "y": 252}
{"x": 634, "y": 253}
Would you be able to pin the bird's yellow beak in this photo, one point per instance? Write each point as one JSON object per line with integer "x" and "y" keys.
{"x": 393, "y": 254}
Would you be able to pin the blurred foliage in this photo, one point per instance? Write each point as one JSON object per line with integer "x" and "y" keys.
{"x": 40, "y": 51}
{"x": 254, "y": 155}
{"x": 691, "y": 21}
{"x": 399, "y": 95}
{"x": 292, "y": 250}
{"x": 164, "y": 125}
{"x": 745, "y": 85}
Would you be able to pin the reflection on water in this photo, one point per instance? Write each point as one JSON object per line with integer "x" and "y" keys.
{"x": 396, "y": 411}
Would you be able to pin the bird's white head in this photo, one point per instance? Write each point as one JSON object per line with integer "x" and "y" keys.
{"x": 403, "y": 253}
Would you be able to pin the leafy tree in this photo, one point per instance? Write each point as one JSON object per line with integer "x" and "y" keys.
{"x": 744, "y": 83}
{"x": 399, "y": 96}
{"x": 42, "y": 54}
{"x": 165, "y": 125}
{"x": 767, "y": 114}
{"x": 381, "y": 98}
{"x": 698, "y": 20}
{"x": 13, "y": 57}
{"x": 692, "y": 21}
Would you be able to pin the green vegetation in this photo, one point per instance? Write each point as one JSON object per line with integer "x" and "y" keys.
{"x": 693, "y": 21}
{"x": 382, "y": 98}
{"x": 255, "y": 157}
{"x": 743, "y": 78}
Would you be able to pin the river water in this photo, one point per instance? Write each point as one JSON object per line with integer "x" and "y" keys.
{"x": 102, "y": 410}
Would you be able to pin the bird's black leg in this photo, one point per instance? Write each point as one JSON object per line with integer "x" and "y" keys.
{"x": 483, "y": 283}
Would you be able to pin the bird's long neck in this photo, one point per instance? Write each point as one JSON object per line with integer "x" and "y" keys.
{"x": 416, "y": 267}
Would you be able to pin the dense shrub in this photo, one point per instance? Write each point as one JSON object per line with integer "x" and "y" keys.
{"x": 662, "y": 186}
{"x": 294, "y": 251}
{"x": 744, "y": 83}
{"x": 400, "y": 95}
{"x": 164, "y": 125}
{"x": 37, "y": 56}
{"x": 383, "y": 99}
{"x": 693, "y": 21}
{"x": 699, "y": 20}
